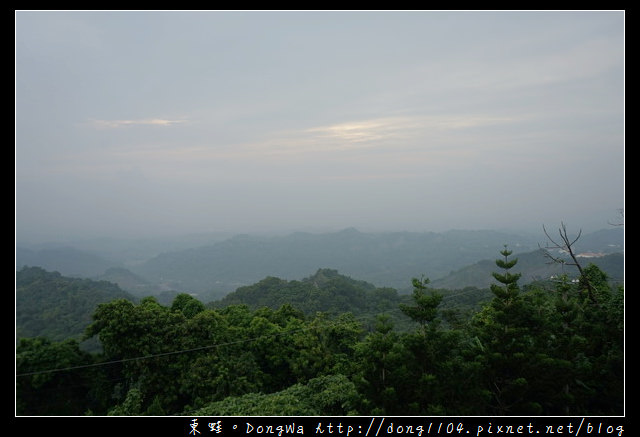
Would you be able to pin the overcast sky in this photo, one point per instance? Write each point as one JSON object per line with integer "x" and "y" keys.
{"x": 149, "y": 123}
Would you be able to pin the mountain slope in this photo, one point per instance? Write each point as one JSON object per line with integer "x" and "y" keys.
{"x": 69, "y": 261}
{"x": 385, "y": 259}
{"x": 532, "y": 265}
{"x": 325, "y": 291}
{"x": 58, "y": 307}
{"x": 130, "y": 282}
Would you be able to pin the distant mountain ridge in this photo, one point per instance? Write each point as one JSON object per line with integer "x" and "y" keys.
{"x": 384, "y": 259}
{"x": 388, "y": 259}
{"x": 67, "y": 260}
{"x": 533, "y": 266}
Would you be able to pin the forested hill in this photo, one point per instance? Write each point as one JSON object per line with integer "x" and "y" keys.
{"x": 325, "y": 291}
{"x": 329, "y": 292}
{"x": 58, "y": 307}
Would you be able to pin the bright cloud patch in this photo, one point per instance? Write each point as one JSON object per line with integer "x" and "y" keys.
{"x": 381, "y": 132}
{"x": 112, "y": 124}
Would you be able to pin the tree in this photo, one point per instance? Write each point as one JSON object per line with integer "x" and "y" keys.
{"x": 567, "y": 245}
{"x": 425, "y": 308}
{"x": 187, "y": 305}
{"x": 331, "y": 395}
{"x": 422, "y": 382}
{"x": 143, "y": 338}
{"x": 130, "y": 406}
{"x": 324, "y": 346}
{"x": 602, "y": 325}
{"x": 381, "y": 359}
{"x": 218, "y": 364}
{"x": 58, "y": 369}
{"x": 504, "y": 331}
{"x": 509, "y": 289}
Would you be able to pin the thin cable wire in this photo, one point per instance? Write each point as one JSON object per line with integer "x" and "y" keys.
{"x": 230, "y": 343}
{"x": 145, "y": 357}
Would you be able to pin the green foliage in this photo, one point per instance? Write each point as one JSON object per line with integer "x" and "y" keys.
{"x": 538, "y": 351}
{"x": 332, "y": 395}
{"x": 380, "y": 357}
{"x": 53, "y": 306}
{"x": 41, "y": 391}
{"x": 187, "y": 305}
{"x": 544, "y": 349}
{"x": 508, "y": 292}
{"x": 425, "y": 308}
{"x": 131, "y": 406}
{"x": 326, "y": 291}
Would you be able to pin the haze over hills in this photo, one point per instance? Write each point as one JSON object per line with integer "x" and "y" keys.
{"x": 390, "y": 259}
{"x": 67, "y": 260}
{"x": 384, "y": 259}
{"x": 533, "y": 266}
{"x": 272, "y": 311}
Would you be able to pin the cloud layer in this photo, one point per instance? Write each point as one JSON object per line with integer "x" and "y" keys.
{"x": 136, "y": 122}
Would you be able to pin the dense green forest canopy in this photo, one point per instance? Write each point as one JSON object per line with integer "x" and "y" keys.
{"x": 326, "y": 291}
{"x": 58, "y": 307}
{"x": 550, "y": 348}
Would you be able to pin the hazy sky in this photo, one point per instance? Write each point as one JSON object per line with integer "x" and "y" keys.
{"x": 143, "y": 123}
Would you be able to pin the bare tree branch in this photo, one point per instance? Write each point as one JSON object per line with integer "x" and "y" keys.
{"x": 621, "y": 222}
{"x": 566, "y": 244}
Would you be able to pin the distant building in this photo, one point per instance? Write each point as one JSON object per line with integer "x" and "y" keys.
{"x": 590, "y": 255}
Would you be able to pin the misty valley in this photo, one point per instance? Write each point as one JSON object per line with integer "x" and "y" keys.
{"x": 341, "y": 323}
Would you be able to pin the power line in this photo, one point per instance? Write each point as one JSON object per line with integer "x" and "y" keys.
{"x": 182, "y": 351}
{"x": 145, "y": 357}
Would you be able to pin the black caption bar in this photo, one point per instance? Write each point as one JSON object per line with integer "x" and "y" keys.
{"x": 400, "y": 426}
{"x": 347, "y": 426}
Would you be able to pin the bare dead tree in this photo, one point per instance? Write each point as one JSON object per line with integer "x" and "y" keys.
{"x": 620, "y": 221}
{"x": 566, "y": 244}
